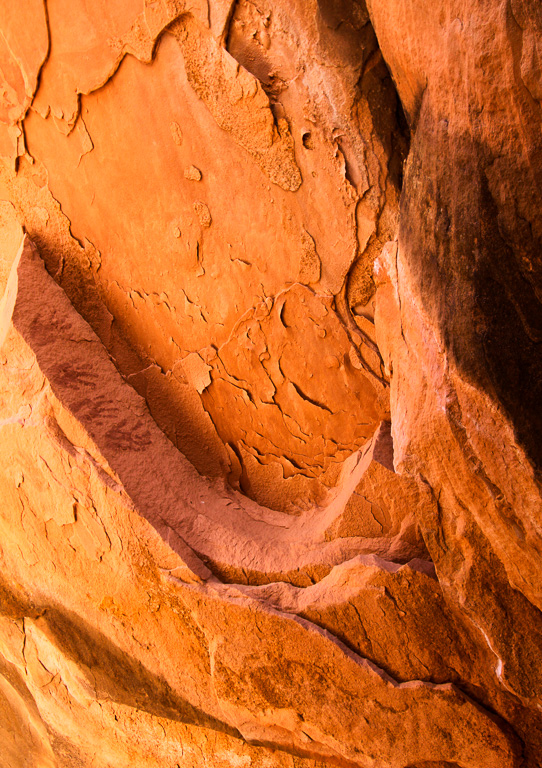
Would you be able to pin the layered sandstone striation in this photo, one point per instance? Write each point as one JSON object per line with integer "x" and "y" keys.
{"x": 270, "y": 384}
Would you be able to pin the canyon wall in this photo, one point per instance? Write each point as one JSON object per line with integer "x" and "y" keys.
{"x": 271, "y": 384}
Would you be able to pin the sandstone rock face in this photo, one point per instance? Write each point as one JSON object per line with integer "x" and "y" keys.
{"x": 270, "y": 384}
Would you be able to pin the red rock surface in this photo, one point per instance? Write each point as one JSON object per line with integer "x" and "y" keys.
{"x": 270, "y": 384}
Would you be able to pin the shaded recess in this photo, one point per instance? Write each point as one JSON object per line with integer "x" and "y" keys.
{"x": 165, "y": 336}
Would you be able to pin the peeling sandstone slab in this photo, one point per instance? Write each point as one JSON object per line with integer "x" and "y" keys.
{"x": 257, "y": 671}
{"x": 24, "y": 46}
{"x": 231, "y": 533}
{"x": 137, "y": 82}
{"x": 88, "y": 44}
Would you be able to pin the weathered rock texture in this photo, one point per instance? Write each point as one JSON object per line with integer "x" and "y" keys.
{"x": 271, "y": 384}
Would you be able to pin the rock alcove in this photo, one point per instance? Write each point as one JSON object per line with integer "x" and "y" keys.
{"x": 270, "y": 384}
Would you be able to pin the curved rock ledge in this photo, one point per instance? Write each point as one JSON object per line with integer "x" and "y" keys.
{"x": 249, "y": 661}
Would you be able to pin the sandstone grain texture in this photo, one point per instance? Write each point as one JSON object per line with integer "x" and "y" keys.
{"x": 270, "y": 384}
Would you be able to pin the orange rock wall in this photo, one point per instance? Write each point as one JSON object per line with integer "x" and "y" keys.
{"x": 270, "y": 384}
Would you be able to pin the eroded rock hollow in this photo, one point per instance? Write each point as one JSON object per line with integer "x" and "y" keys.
{"x": 270, "y": 384}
